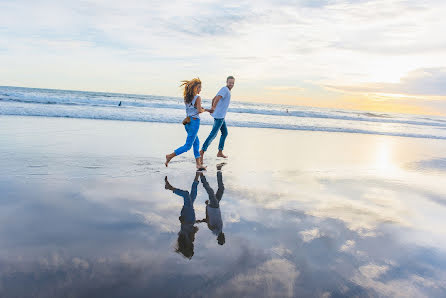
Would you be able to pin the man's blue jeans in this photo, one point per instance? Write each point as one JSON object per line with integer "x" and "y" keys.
{"x": 192, "y": 138}
{"x": 219, "y": 124}
{"x": 214, "y": 198}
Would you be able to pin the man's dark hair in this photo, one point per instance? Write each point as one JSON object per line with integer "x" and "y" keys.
{"x": 221, "y": 238}
{"x": 229, "y": 78}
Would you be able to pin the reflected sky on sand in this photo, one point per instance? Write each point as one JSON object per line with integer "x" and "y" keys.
{"x": 122, "y": 225}
{"x": 112, "y": 237}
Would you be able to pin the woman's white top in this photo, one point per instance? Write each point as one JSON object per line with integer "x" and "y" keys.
{"x": 191, "y": 110}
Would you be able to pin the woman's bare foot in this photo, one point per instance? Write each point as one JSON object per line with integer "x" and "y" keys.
{"x": 201, "y": 155}
{"x": 169, "y": 158}
{"x": 201, "y": 167}
{"x": 220, "y": 154}
{"x": 199, "y": 164}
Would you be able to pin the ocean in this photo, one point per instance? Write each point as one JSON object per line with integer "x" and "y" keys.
{"x": 153, "y": 108}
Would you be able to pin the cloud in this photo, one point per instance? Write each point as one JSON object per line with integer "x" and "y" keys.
{"x": 309, "y": 235}
{"x": 213, "y": 20}
{"x": 424, "y": 81}
{"x": 373, "y": 271}
{"x": 283, "y": 88}
{"x": 275, "y": 277}
{"x": 389, "y": 27}
{"x": 349, "y": 244}
{"x": 368, "y": 276}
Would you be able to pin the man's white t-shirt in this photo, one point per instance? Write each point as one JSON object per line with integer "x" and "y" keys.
{"x": 215, "y": 221}
{"x": 223, "y": 103}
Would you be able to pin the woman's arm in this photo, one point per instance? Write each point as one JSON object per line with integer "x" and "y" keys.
{"x": 198, "y": 105}
{"x": 200, "y": 108}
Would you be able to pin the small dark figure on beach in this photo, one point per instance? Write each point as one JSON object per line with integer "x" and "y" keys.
{"x": 119, "y": 103}
{"x": 186, "y": 236}
{"x": 213, "y": 213}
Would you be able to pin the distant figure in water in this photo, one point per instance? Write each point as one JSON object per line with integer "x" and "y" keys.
{"x": 213, "y": 213}
{"x": 192, "y": 101}
{"x": 119, "y": 104}
{"x": 186, "y": 236}
{"x": 287, "y": 111}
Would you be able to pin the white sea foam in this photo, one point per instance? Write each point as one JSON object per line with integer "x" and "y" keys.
{"x": 96, "y": 105}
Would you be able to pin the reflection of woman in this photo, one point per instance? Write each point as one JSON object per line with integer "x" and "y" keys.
{"x": 192, "y": 100}
{"x": 186, "y": 236}
{"x": 213, "y": 213}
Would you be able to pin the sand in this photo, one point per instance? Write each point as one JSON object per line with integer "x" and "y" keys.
{"x": 84, "y": 212}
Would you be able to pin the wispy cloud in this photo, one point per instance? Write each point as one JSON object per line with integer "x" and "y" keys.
{"x": 284, "y": 88}
{"x": 427, "y": 81}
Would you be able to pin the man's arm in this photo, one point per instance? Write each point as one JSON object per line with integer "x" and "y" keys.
{"x": 215, "y": 101}
{"x": 214, "y": 104}
{"x": 200, "y": 108}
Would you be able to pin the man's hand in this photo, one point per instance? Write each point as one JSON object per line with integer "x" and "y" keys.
{"x": 215, "y": 101}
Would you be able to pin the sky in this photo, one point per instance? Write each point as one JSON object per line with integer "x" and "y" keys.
{"x": 377, "y": 55}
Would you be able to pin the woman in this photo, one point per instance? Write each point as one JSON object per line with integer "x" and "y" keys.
{"x": 186, "y": 236}
{"x": 192, "y": 100}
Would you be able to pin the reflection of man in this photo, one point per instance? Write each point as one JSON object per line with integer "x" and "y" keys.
{"x": 220, "y": 105}
{"x": 213, "y": 213}
{"x": 186, "y": 236}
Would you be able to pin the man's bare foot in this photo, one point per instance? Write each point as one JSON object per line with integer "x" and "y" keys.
{"x": 220, "y": 165}
{"x": 201, "y": 156}
{"x": 167, "y": 184}
{"x": 220, "y": 154}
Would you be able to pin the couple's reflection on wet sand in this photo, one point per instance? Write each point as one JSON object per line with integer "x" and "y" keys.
{"x": 186, "y": 236}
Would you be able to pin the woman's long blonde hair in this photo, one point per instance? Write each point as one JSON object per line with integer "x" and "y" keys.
{"x": 190, "y": 89}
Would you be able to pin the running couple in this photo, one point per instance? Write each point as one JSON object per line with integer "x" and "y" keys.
{"x": 192, "y": 101}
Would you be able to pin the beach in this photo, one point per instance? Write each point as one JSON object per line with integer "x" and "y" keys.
{"x": 85, "y": 212}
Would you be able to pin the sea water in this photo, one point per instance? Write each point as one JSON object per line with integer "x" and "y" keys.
{"x": 155, "y": 108}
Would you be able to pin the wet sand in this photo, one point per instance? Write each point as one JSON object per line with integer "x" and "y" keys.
{"x": 84, "y": 212}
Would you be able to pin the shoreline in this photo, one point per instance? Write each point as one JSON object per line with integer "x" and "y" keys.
{"x": 296, "y": 128}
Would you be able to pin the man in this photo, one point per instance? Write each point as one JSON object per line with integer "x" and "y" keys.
{"x": 213, "y": 213}
{"x": 220, "y": 105}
